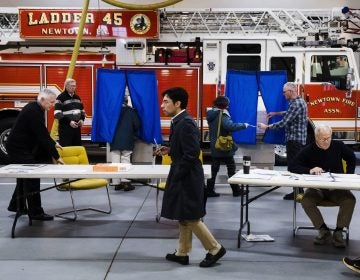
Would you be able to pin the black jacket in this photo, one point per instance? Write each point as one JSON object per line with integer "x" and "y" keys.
{"x": 184, "y": 192}
{"x": 329, "y": 160}
{"x": 29, "y": 136}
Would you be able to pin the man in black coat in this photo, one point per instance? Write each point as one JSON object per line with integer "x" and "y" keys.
{"x": 326, "y": 155}
{"x": 29, "y": 142}
{"x": 184, "y": 192}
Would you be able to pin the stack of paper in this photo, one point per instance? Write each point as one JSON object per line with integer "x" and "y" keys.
{"x": 257, "y": 237}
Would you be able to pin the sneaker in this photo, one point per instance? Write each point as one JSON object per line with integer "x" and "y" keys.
{"x": 212, "y": 194}
{"x": 210, "y": 260}
{"x": 353, "y": 264}
{"x": 184, "y": 260}
{"x": 128, "y": 187}
{"x": 323, "y": 237}
{"x": 119, "y": 187}
{"x": 338, "y": 239}
{"x": 290, "y": 196}
{"x": 41, "y": 217}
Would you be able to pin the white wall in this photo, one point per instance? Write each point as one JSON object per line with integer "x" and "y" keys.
{"x": 303, "y": 4}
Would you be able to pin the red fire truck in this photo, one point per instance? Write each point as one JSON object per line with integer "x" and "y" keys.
{"x": 196, "y": 53}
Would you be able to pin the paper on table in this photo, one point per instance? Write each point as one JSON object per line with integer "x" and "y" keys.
{"x": 341, "y": 175}
{"x": 324, "y": 177}
{"x": 68, "y": 168}
{"x": 265, "y": 171}
{"x": 252, "y": 176}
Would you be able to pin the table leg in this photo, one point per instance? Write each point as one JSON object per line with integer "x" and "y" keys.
{"x": 244, "y": 213}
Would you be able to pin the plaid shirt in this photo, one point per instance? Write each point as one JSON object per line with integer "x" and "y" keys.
{"x": 294, "y": 121}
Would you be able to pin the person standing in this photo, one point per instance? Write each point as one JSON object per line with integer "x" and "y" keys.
{"x": 69, "y": 110}
{"x": 122, "y": 145}
{"x": 295, "y": 122}
{"x": 227, "y": 126}
{"x": 326, "y": 155}
{"x": 183, "y": 198}
{"x": 28, "y": 141}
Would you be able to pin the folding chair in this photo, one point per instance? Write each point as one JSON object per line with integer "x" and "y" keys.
{"x": 325, "y": 203}
{"x": 78, "y": 155}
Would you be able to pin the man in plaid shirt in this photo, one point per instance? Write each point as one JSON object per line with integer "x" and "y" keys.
{"x": 295, "y": 122}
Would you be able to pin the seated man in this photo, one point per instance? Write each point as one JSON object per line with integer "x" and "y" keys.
{"x": 326, "y": 155}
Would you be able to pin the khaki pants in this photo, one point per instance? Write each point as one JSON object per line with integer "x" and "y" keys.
{"x": 201, "y": 231}
{"x": 120, "y": 157}
{"x": 344, "y": 198}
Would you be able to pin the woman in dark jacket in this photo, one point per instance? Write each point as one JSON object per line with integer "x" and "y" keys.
{"x": 184, "y": 192}
{"x": 227, "y": 126}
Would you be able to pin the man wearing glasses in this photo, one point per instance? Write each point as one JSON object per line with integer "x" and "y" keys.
{"x": 326, "y": 155}
{"x": 295, "y": 122}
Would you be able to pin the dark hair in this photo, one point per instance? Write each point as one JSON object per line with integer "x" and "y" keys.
{"x": 221, "y": 102}
{"x": 177, "y": 94}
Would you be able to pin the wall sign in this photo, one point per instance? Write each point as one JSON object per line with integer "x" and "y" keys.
{"x": 64, "y": 24}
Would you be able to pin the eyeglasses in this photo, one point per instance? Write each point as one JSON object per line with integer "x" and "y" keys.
{"x": 327, "y": 139}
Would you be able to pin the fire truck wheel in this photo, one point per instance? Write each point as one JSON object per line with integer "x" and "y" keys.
{"x": 5, "y": 127}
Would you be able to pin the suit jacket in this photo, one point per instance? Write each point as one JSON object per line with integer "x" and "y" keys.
{"x": 184, "y": 192}
{"x": 29, "y": 135}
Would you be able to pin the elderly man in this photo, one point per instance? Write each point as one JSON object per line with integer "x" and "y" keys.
{"x": 29, "y": 142}
{"x": 295, "y": 123}
{"x": 326, "y": 155}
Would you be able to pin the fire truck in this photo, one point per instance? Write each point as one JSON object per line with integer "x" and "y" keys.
{"x": 195, "y": 50}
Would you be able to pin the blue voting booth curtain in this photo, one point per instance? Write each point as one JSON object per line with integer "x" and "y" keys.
{"x": 242, "y": 90}
{"x": 110, "y": 90}
{"x": 271, "y": 87}
{"x": 144, "y": 96}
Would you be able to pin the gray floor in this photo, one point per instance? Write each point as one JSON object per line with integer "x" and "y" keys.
{"x": 130, "y": 244}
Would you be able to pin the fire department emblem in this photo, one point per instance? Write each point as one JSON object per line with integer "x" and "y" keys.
{"x": 211, "y": 66}
{"x": 140, "y": 24}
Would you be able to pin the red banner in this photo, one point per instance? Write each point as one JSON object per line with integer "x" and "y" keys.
{"x": 64, "y": 24}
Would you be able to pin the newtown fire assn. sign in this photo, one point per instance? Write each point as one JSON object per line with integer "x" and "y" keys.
{"x": 64, "y": 24}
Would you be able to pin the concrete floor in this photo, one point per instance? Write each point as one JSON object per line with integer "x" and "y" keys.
{"x": 129, "y": 244}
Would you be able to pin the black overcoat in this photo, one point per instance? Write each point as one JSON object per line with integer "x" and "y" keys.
{"x": 184, "y": 192}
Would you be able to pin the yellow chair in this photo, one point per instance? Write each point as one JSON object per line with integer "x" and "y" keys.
{"x": 77, "y": 155}
{"x": 165, "y": 160}
{"x": 325, "y": 203}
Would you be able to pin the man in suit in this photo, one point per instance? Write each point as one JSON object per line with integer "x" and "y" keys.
{"x": 184, "y": 192}
{"x": 29, "y": 142}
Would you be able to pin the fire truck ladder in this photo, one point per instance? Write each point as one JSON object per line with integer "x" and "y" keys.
{"x": 212, "y": 23}
{"x": 216, "y": 23}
